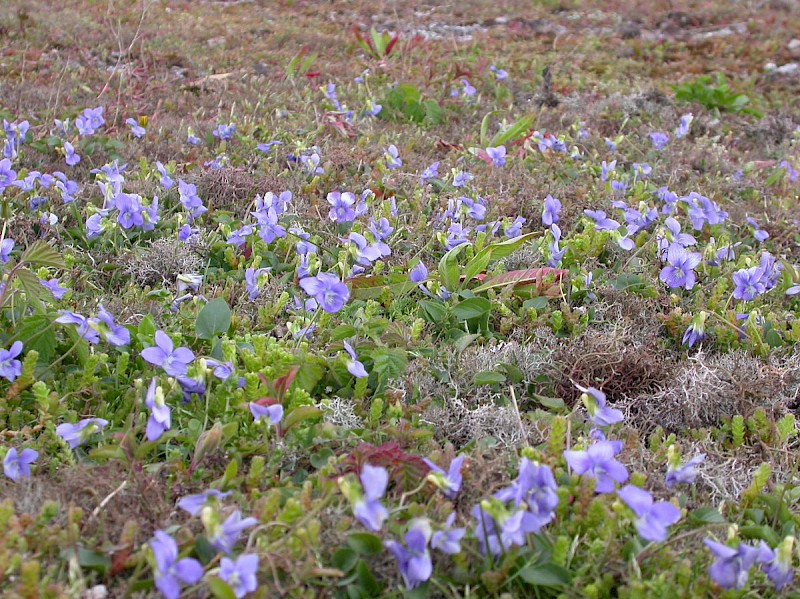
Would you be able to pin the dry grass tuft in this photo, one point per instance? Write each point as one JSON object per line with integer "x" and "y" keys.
{"x": 708, "y": 389}
{"x": 163, "y": 261}
{"x": 623, "y": 352}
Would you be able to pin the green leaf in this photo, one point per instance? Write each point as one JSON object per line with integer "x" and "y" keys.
{"x": 343, "y": 331}
{"x": 493, "y": 251}
{"x": 344, "y": 559}
{"x": 214, "y": 319}
{"x": 512, "y": 372}
{"x": 365, "y": 543}
{"x": 433, "y": 112}
{"x": 93, "y": 560}
{"x": 706, "y": 515}
{"x": 546, "y": 575}
{"x": 473, "y": 307}
{"x": 32, "y": 288}
{"x": 367, "y": 580}
{"x": 147, "y": 328}
{"x": 514, "y": 132}
{"x": 389, "y": 363}
{"x": 219, "y": 588}
{"x": 320, "y": 458}
{"x": 38, "y": 333}
{"x": 448, "y": 267}
{"x": 629, "y": 282}
{"x": 464, "y": 340}
{"x": 773, "y": 338}
{"x": 41, "y": 254}
{"x": 433, "y": 311}
{"x": 554, "y": 403}
{"x": 488, "y": 377}
{"x": 485, "y": 127}
{"x": 763, "y": 533}
{"x": 310, "y": 373}
{"x": 300, "y": 414}
{"x": 537, "y": 303}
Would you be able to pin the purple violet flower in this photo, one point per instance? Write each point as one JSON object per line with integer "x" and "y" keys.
{"x": 368, "y": 509}
{"x": 222, "y": 370}
{"x": 195, "y": 503}
{"x": 601, "y": 221}
{"x": 160, "y": 419}
{"x": 683, "y": 474}
{"x": 599, "y": 413}
{"x": 680, "y": 270}
{"x": 11, "y": 368}
{"x": 223, "y": 537}
{"x": 17, "y": 465}
{"x": 418, "y": 273}
{"x": 552, "y": 207}
{"x": 732, "y": 566}
{"x": 77, "y": 434}
{"x": 85, "y": 330}
{"x": 598, "y": 462}
{"x": 116, "y": 335}
{"x": 497, "y": 154}
{"x": 171, "y": 571}
{"x": 224, "y": 132}
{"x": 328, "y": 290}
{"x": 499, "y": 74}
{"x": 166, "y": 181}
{"x": 130, "y": 210}
{"x": 392, "y": 157}
{"x": 414, "y": 560}
{"x": 70, "y": 156}
{"x": 759, "y": 234}
{"x": 342, "y": 207}
{"x": 174, "y": 361}
{"x": 354, "y": 367}
{"x": 748, "y": 283}
{"x": 429, "y": 173}
{"x": 273, "y": 413}
{"x": 461, "y": 178}
{"x": 448, "y": 540}
{"x": 90, "y": 120}
{"x": 449, "y": 482}
{"x": 659, "y": 139}
{"x": 136, "y": 129}
{"x": 652, "y": 518}
{"x": 241, "y": 574}
{"x": 7, "y": 174}
{"x": 683, "y": 128}
{"x": 535, "y": 488}
{"x": 6, "y": 247}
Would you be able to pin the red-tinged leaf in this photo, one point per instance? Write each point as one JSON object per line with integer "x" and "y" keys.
{"x": 390, "y": 46}
{"x": 370, "y": 287}
{"x": 538, "y": 277}
{"x": 446, "y": 145}
{"x": 313, "y": 74}
{"x": 266, "y": 401}
{"x": 482, "y": 155}
{"x": 405, "y": 469}
{"x": 119, "y": 559}
{"x": 283, "y": 383}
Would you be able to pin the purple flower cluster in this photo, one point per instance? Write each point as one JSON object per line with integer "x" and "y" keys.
{"x": 752, "y": 282}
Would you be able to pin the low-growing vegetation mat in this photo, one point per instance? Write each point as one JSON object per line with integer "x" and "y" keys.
{"x": 379, "y": 299}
